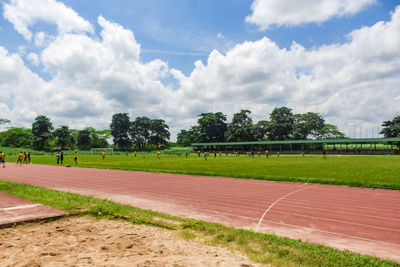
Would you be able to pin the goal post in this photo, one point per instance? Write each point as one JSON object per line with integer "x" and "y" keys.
{"x": 98, "y": 150}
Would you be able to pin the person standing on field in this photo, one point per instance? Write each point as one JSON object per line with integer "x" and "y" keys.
{"x": 58, "y": 158}
{"x": 76, "y": 157}
{"x": 62, "y": 158}
{"x": 25, "y": 158}
{"x": 29, "y": 157}
{"x": 158, "y": 154}
{"x": 20, "y": 156}
{"x": 3, "y": 159}
{"x": 103, "y": 154}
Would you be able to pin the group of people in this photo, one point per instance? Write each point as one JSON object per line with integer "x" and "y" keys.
{"x": 23, "y": 157}
{"x": 60, "y": 157}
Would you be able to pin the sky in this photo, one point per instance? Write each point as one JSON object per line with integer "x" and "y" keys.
{"x": 81, "y": 61}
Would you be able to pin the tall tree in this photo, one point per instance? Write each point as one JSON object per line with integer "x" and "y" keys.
{"x": 241, "y": 128}
{"x": 186, "y": 138}
{"x": 41, "y": 129}
{"x": 63, "y": 136}
{"x": 84, "y": 140}
{"x": 307, "y": 124}
{"x": 140, "y": 132}
{"x": 120, "y": 126}
{"x": 261, "y": 130}
{"x": 98, "y": 137}
{"x": 391, "y": 128}
{"x": 330, "y": 131}
{"x": 212, "y": 127}
{"x": 281, "y": 123}
{"x": 159, "y": 132}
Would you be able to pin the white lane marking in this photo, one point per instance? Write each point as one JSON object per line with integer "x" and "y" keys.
{"x": 273, "y": 204}
{"x": 21, "y": 207}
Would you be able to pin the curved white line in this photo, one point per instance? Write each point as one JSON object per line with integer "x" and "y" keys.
{"x": 273, "y": 204}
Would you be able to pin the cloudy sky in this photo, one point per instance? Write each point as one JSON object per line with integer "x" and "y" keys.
{"x": 81, "y": 61}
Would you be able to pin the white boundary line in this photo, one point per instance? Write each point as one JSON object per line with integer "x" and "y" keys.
{"x": 21, "y": 207}
{"x": 279, "y": 199}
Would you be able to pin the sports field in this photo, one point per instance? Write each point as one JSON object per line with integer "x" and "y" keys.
{"x": 362, "y": 171}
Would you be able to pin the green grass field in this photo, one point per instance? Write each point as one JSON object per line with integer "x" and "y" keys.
{"x": 362, "y": 171}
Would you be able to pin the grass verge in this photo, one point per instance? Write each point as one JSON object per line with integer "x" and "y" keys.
{"x": 259, "y": 247}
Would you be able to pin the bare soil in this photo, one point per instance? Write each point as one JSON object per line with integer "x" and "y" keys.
{"x": 85, "y": 241}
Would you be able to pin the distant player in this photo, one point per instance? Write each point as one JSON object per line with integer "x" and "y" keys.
{"x": 186, "y": 154}
{"x": 134, "y": 153}
{"x": 215, "y": 154}
{"x": 324, "y": 154}
{"x": 158, "y": 154}
{"x": 61, "y": 158}
{"x": 29, "y": 157}
{"x": 266, "y": 153}
{"x": 205, "y": 155}
{"x": 20, "y": 157}
{"x": 3, "y": 159}
{"x": 220, "y": 153}
{"x": 76, "y": 157}
{"x": 58, "y": 158}
{"x": 278, "y": 153}
{"x": 198, "y": 153}
{"x": 103, "y": 154}
{"x": 25, "y": 158}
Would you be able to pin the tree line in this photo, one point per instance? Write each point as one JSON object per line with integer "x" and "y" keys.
{"x": 282, "y": 125}
{"x": 138, "y": 134}
{"x": 43, "y": 136}
{"x": 145, "y": 133}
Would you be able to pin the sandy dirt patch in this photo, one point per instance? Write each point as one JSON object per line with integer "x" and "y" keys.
{"x": 84, "y": 241}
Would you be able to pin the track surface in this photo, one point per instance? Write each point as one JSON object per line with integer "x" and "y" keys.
{"x": 366, "y": 221}
{"x": 14, "y": 209}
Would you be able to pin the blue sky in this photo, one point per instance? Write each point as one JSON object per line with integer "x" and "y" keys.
{"x": 174, "y": 34}
{"x": 183, "y": 31}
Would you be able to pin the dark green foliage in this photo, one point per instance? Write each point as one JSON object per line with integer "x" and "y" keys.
{"x": 16, "y": 137}
{"x": 145, "y": 131}
{"x": 187, "y": 137}
{"x": 120, "y": 126}
{"x": 84, "y": 140}
{"x": 212, "y": 127}
{"x": 241, "y": 128}
{"x": 330, "y": 131}
{"x": 281, "y": 124}
{"x": 41, "y": 129}
{"x": 307, "y": 124}
{"x": 391, "y": 128}
{"x": 159, "y": 133}
{"x": 64, "y": 138}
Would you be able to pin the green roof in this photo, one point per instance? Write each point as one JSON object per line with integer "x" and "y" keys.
{"x": 321, "y": 141}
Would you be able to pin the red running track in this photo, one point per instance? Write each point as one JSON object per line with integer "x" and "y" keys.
{"x": 366, "y": 221}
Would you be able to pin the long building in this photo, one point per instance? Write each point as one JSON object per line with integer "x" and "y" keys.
{"x": 343, "y": 146}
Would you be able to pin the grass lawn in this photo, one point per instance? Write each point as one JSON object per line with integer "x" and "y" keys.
{"x": 259, "y": 247}
{"x": 363, "y": 171}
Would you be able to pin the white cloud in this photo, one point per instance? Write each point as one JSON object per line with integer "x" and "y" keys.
{"x": 24, "y": 13}
{"x": 354, "y": 82}
{"x": 95, "y": 77}
{"x": 296, "y": 12}
{"x": 34, "y": 59}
